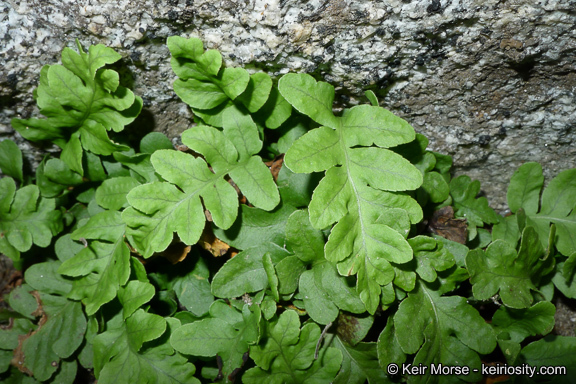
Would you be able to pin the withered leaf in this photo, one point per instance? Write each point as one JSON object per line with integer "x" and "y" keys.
{"x": 213, "y": 244}
{"x": 353, "y": 328}
{"x": 18, "y": 359}
{"x": 445, "y": 225}
{"x": 176, "y": 252}
{"x": 275, "y": 165}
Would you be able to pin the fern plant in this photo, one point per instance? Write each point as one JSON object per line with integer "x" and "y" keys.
{"x": 285, "y": 244}
{"x": 81, "y": 101}
{"x": 355, "y": 190}
{"x": 159, "y": 209}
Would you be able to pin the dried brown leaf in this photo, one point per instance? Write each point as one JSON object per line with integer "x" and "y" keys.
{"x": 176, "y": 252}
{"x": 212, "y": 244}
{"x": 275, "y": 165}
{"x": 18, "y": 354}
{"x": 445, "y": 225}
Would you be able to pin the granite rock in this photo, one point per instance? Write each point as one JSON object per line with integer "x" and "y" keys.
{"x": 490, "y": 82}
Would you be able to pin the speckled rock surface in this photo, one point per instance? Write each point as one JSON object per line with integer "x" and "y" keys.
{"x": 565, "y": 316}
{"x": 490, "y": 82}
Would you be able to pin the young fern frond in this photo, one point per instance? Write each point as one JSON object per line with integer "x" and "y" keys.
{"x": 26, "y": 218}
{"x": 81, "y": 101}
{"x": 360, "y": 189}
{"x": 103, "y": 266}
{"x": 158, "y": 209}
{"x": 556, "y": 204}
{"x": 424, "y": 325}
{"x": 211, "y": 90}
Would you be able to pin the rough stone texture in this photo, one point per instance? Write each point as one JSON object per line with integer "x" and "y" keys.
{"x": 490, "y": 82}
{"x": 565, "y": 316}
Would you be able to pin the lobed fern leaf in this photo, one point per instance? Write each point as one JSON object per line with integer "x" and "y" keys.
{"x": 211, "y": 90}
{"x": 25, "y": 218}
{"x": 81, "y": 101}
{"x": 361, "y": 185}
{"x": 160, "y": 208}
{"x": 556, "y": 206}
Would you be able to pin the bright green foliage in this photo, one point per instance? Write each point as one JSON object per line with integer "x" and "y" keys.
{"x": 434, "y": 167}
{"x": 25, "y": 218}
{"x": 11, "y": 160}
{"x": 286, "y": 354}
{"x": 305, "y": 241}
{"x": 226, "y": 332}
{"x": 271, "y": 276}
{"x": 22, "y": 301}
{"x": 507, "y": 230}
{"x": 569, "y": 268}
{"x": 44, "y": 277}
{"x": 565, "y": 282}
{"x": 288, "y": 272}
{"x": 371, "y": 98}
{"x": 125, "y": 353}
{"x": 159, "y": 209}
{"x": 557, "y": 206}
{"x": 81, "y": 101}
{"x": 103, "y": 266}
{"x": 552, "y": 351}
{"x": 62, "y": 325}
{"x": 359, "y": 363}
{"x": 388, "y": 349}
{"x": 193, "y": 289}
{"x": 355, "y": 190}
{"x": 202, "y": 87}
{"x": 524, "y": 188}
{"x": 521, "y": 323}
{"x": 443, "y": 330}
{"x": 435, "y": 186}
{"x": 211, "y": 90}
{"x": 155, "y": 141}
{"x": 431, "y": 257}
{"x": 9, "y": 338}
{"x": 512, "y": 326}
{"x": 57, "y": 339}
{"x": 324, "y": 291}
{"x": 135, "y": 165}
{"x": 134, "y": 295}
{"x": 329, "y": 240}
{"x": 475, "y": 210}
{"x": 512, "y": 274}
{"x": 112, "y": 193}
{"x": 257, "y": 226}
{"x": 245, "y": 272}
{"x": 54, "y": 176}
